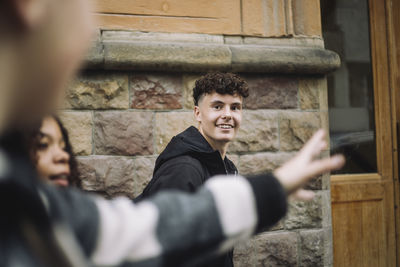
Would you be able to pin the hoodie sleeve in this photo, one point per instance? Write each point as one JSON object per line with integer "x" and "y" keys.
{"x": 181, "y": 174}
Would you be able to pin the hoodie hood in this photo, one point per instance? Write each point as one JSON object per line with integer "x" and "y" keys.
{"x": 191, "y": 142}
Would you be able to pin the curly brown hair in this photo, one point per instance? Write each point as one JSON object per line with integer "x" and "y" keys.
{"x": 222, "y": 83}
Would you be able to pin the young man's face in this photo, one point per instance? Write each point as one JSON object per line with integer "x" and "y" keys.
{"x": 219, "y": 117}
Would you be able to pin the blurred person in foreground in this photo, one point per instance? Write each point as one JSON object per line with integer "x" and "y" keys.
{"x": 41, "y": 47}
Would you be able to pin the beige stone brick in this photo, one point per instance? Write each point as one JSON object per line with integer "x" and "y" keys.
{"x": 188, "y": 85}
{"x": 79, "y": 126}
{"x": 262, "y": 162}
{"x": 258, "y": 132}
{"x": 170, "y": 124}
{"x": 276, "y": 249}
{"x": 296, "y": 128}
{"x": 244, "y": 254}
{"x": 312, "y": 248}
{"x": 309, "y": 93}
{"x": 143, "y": 168}
{"x": 97, "y": 90}
{"x": 305, "y": 214}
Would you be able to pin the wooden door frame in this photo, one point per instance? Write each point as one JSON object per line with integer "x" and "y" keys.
{"x": 385, "y": 181}
{"x": 393, "y": 23}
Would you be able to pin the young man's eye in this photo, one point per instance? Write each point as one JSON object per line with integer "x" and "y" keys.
{"x": 236, "y": 108}
{"x": 217, "y": 107}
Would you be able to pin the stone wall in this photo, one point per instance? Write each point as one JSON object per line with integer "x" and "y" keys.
{"x": 119, "y": 121}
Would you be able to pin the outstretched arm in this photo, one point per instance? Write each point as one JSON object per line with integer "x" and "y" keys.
{"x": 176, "y": 228}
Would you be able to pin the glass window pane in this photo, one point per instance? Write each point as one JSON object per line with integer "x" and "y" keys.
{"x": 345, "y": 25}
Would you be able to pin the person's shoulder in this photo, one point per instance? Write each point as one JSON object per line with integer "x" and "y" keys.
{"x": 182, "y": 163}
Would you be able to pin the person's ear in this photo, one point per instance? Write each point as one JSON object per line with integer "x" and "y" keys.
{"x": 197, "y": 113}
{"x": 30, "y": 13}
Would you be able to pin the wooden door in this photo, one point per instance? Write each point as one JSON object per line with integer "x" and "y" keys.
{"x": 363, "y": 199}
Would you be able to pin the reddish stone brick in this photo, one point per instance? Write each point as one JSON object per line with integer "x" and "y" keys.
{"x": 156, "y": 91}
{"x": 272, "y": 92}
{"x": 123, "y": 133}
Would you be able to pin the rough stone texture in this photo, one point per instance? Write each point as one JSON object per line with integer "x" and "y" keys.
{"x": 244, "y": 254}
{"x": 296, "y": 128}
{"x": 156, "y": 91}
{"x": 271, "y": 92}
{"x": 309, "y": 93}
{"x": 304, "y": 214}
{"x": 144, "y": 167}
{"x": 298, "y": 60}
{"x": 199, "y": 57}
{"x": 111, "y": 176}
{"x": 98, "y": 91}
{"x": 312, "y": 248}
{"x": 262, "y": 162}
{"x": 170, "y": 124}
{"x": 123, "y": 133}
{"x": 276, "y": 249}
{"x": 79, "y": 126}
{"x": 188, "y": 85}
{"x": 165, "y": 56}
{"x": 95, "y": 55}
{"x": 258, "y": 132}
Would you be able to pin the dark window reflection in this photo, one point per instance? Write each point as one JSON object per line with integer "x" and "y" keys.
{"x": 345, "y": 25}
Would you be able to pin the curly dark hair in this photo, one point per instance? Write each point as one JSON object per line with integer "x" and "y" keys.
{"x": 73, "y": 178}
{"x": 222, "y": 83}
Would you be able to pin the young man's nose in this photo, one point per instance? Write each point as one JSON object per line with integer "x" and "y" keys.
{"x": 227, "y": 113}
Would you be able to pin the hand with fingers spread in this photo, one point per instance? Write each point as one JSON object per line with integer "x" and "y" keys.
{"x": 295, "y": 173}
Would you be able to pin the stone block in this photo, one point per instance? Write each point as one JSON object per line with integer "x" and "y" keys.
{"x": 165, "y": 56}
{"x": 170, "y": 124}
{"x": 304, "y": 214}
{"x": 143, "y": 167}
{"x": 110, "y": 176}
{"x": 312, "y": 248}
{"x": 258, "y": 132}
{"x": 123, "y": 133}
{"x": 98, "y": 90}
{"x": 309, "y": 93}
{"x": 296, "y": 128}
{"x": 156, "y": 91}
{"x": 262, "y": 162}
{"x": 276, "y": 249}
{"x": 188, "y": 85}
{"x": 271, "y": 92}
{"x": 79, "y": 126}
{"x": 244, "y": 254}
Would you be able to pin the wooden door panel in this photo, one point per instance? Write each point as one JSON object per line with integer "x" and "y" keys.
{"x": 363, "y": 205}
{"x": 352, "y": 225}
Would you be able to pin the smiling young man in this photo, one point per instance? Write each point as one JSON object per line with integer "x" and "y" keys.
{"x": 197, "y": 154}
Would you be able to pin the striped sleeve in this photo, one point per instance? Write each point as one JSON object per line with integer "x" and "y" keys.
{"x": 174, "y": 228}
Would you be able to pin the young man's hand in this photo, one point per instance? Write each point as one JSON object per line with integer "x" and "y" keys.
{"x": 295, "y": 173}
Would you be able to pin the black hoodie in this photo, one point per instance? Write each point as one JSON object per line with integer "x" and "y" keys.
{"x": 185, "y": 164}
